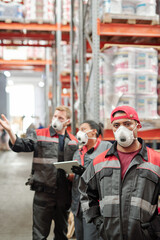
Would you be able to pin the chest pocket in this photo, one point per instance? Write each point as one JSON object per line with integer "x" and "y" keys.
{"x": 148, "y": 185}
{"x": 69, "y": 149}
{"x": 105, "y": 178}
{"x": 46, "y": 149}
{"x": 145, "y": 195}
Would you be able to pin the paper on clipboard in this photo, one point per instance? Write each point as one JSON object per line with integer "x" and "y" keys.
{"x": 66, "y": 166}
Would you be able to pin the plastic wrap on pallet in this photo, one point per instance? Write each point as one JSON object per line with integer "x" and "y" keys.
{"x": 39, "y": 10}
{"x": 11, "y": 11}
{"x": 130, "y": 8}
{"x": 128, "y": 76}
{"x": 146, "y": 82}
{"x": 35, "y": 53}
{"x": 146, "y": 58}
{"x": 66, "y": 12}
{"x": 65, "y": 57}
{"x": 12, "y": 52}
{"x": 139, "y": 7}
{"x": 146, "y": 6}
{"x": 110, "y": 6}
{"x": 146, "y": 106}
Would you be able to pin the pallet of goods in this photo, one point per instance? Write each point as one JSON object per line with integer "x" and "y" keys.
{"x": 129, "y": 11}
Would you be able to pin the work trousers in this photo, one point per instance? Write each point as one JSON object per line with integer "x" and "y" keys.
{"x": 46, "y": 209}
{"x": 83, "y": 230}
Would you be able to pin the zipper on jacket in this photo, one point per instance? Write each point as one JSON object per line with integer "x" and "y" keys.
{"x": 120, "y": 214}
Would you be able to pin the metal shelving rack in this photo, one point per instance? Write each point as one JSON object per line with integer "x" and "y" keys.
{"x": 92, "y": 39}
{"x": 115, "y": 34}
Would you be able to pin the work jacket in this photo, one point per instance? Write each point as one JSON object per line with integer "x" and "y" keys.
{"x": 85, "y": 157}
{"x": 128, "y": 207}
{"x": 45, "y": 145}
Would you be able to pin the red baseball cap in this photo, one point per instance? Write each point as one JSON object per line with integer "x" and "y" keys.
{"x": 129, "y": 111}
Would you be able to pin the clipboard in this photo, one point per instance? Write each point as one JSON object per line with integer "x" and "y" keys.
{"x": 66, "y": 166}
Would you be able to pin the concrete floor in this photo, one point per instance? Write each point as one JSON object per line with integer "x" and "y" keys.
{"x": 16, "y": 198}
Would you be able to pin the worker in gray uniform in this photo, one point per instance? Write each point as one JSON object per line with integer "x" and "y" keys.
{"x": 52, "y": 187}
{"x": 89, "y": 136}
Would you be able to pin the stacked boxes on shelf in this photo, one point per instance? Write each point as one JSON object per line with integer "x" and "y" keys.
{"x": 65, "y": 57}
{"x": 42, "y": 10}
{"x": 36, "y": 53}
{"x": 133, "y": 7}
{"x": 128, "y": 76}
{"x": 66, "y": 11}
{"x": 12, "y": 11}
{"x": 36, "y": 11}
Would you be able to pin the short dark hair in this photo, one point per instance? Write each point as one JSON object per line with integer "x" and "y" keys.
{"x": 117, "y": 112}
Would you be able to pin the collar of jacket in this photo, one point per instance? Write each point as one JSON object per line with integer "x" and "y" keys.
{"x": 142, "y": 152}
{"x": 84, "y": 149}
{"x": 54, "y": 133}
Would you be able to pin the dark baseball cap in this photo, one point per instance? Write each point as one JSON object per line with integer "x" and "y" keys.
{"x": 129, "y": 111}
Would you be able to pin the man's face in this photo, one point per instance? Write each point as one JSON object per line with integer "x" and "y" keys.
{"x": 60, "y": 115}
{"x": 128, "y": 123}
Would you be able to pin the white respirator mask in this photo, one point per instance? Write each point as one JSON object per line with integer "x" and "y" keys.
{"x": 58, "y": 125}
{"x": 82, "y": 137}
{"x": 124, "y": 136}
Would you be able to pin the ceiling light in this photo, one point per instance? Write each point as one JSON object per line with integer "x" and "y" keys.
{"x": 7, "y": 73}
{"x": 41, "y": 84}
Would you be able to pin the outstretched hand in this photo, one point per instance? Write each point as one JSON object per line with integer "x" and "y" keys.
{"x": 79, "y": 170}
{"x": 5, "y": 123}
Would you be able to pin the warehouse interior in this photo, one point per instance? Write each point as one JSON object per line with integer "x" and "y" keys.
{"x": 89, "y": 55}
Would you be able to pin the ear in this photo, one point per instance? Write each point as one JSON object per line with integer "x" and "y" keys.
{"x": 68, "y": 122}
{"x": 138, "y": 126}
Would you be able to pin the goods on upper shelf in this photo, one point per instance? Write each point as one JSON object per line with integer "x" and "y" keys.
{"x": 36, "y": 11}
{"x": 66, "y": 11}
{"x": 42, "y": 10}
{"x": 12, "y": 10}
{"x": 25, "y": 53}
{"x": 128, "y": 7}
{"x": 128, "y": 76}
{"x": 28, "y": 10}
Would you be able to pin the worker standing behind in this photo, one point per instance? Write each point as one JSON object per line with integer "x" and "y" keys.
{"x": 120, "y": 188}
{"x": 52, "y": 188}
{"x": 88, "y": 135}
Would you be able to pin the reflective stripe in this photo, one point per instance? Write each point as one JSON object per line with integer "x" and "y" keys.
{"x": 48, "y": 139}
{"x": 108, "y": 200}
{"x": 151, "y": 167}
{"x": 107, "y": 164}
{"x": 44, "y": 160}
{"x": 143, "y": 204}
{"x": 85, "y": 205}
{"x": 72, "y": 143}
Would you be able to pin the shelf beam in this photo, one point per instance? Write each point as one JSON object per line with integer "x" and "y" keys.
{"x": 25, "y": 62}
{"x": 34, "y": 27}
{"x": 128, "y": 30}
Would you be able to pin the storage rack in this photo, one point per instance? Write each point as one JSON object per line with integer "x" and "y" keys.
{"x": 101, "y": 33}
{"x": 121, "y": 33}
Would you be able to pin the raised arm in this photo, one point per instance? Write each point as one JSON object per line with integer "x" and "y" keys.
{"x": 6, "y": 125}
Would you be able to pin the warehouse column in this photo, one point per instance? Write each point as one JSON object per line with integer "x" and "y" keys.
{"x": 96, "y": 43}
{"x": 3, "y": 95}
